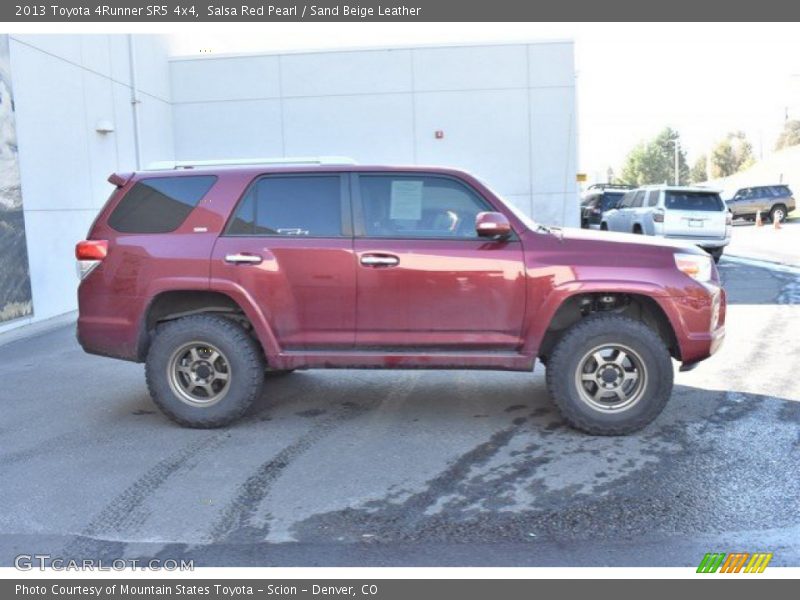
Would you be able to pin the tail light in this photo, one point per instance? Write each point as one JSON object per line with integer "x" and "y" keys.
{"x": 658, "y": 215}
{"x": 90, "y": 253}
{"x": 91, "y": 250}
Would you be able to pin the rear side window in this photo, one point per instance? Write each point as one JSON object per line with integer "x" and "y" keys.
{"x": 652, "y": 198}
{"x": 781, "y": 191}
{"x": 702, "y": 201}
{"x": 418, "y": 207}
{"x": 762, "y": 192}
{"x": 159, "y": 204}
{"x": 290, "y": 206}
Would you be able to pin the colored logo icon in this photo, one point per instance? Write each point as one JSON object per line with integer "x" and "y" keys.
{"x": 735, "y": 562}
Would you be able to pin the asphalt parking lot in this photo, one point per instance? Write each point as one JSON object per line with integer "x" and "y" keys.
{"x": 409, "y": 468}
{"x": 767, "y": 243}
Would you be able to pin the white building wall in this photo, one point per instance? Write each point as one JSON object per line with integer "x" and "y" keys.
{"x": 507, "y": 113}
{"x": 63, "y": 85}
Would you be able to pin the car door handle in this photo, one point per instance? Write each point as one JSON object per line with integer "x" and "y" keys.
{"x": 245, "y": 259}
{"x": 379, "y": 260}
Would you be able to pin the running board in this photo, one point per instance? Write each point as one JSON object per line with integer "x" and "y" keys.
{"x": 356, "y": 359}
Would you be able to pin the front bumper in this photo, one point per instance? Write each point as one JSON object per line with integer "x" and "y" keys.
{"x": 699, "y": 323}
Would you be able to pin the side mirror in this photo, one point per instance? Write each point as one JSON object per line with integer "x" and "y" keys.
{"x": 492, "y": 224}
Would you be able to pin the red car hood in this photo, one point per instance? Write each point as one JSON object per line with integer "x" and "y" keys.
{"x": 569, "y": 233}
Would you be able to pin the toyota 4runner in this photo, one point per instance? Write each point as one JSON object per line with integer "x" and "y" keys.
{"x": 693, "y": 215}
{"x": 773, "y": 201}
{"x": 218, "y": 276}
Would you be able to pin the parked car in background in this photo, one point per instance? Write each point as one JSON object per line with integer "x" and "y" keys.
{"x": 217, "y": 275}
{"x": 774, "y": 202}
{"x": 692, "y": 214}
{"x": 597, "y": 199}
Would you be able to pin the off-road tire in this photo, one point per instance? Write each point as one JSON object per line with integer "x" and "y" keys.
{"x": 567, "y": 355}
{"x": 240, "y": 350}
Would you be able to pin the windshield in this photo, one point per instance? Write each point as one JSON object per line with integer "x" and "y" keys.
{"x": 610, "y": 199}
{"x": 703, "y": 201}
{"x": 526, "y": 220}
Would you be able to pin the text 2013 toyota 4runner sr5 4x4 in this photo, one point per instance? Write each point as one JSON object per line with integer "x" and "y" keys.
{"x": 217, "y": 275}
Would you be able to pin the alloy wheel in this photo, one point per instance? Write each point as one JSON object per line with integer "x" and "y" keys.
{"x": 199, "y": 374}
{"x": 611, "y": 378}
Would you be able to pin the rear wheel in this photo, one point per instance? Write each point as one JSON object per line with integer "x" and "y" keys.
{"x": 778, "y": 213}
{"x": 610, "y": 375}
{"x": 603, "y": 226}
{"x": 204, "y": 371}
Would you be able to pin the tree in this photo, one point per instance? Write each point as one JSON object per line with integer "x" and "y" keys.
{"x": 697, "y": 174}
{"x": 654, "y": 161}
{"x": 790, "y": 136}
{"x": 730, "y": 155}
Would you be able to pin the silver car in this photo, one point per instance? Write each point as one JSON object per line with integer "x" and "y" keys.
{"x": 772, "y": 201}
{"x": 693, "y": 214}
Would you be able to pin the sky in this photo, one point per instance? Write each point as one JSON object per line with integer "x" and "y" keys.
{"x": 632, "y": 79}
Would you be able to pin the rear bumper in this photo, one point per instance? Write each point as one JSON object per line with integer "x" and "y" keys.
{"x": 109, "y": 325}
{"x": 702, "y": 242}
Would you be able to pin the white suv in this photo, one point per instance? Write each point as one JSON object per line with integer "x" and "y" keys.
{"x": 693, "y": 214}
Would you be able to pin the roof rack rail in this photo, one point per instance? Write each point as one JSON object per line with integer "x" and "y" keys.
{"x": 604, "y": 186}
{"x": 162, "y": 165}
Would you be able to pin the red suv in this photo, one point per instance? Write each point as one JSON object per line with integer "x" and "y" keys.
{"x": 215, "y": 276}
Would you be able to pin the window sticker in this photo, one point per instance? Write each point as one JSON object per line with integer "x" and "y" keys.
{"x": 406, "y": 200}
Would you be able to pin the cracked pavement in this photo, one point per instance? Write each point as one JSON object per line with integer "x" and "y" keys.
{"x": 381, "y": 468}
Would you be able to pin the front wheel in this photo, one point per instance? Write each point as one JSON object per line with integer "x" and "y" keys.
{"x": 204, "y": 370}
{"x": 610, "y": 375}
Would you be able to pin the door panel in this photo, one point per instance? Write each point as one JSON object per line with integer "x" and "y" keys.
{"x": 290, "y": 247}
{"x": 305, "y": 287}
{"x": 763, "y": 201}
{"x": 746, "y": 202}
{"x": 466, "y": 293}
{"x": 736, "y": 205}
{"x": 425, "y": 277}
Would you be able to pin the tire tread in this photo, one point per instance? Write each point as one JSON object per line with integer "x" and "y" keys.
{"x": 556, "y": 377}
{"x": 251, "y": 355}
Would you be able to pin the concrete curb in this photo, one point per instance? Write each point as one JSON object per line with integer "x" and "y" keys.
{"x": 38, "y": 328}
{"x": 763, "y": 264}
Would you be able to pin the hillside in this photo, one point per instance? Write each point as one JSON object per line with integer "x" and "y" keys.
{"x": 782, "y": 166}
